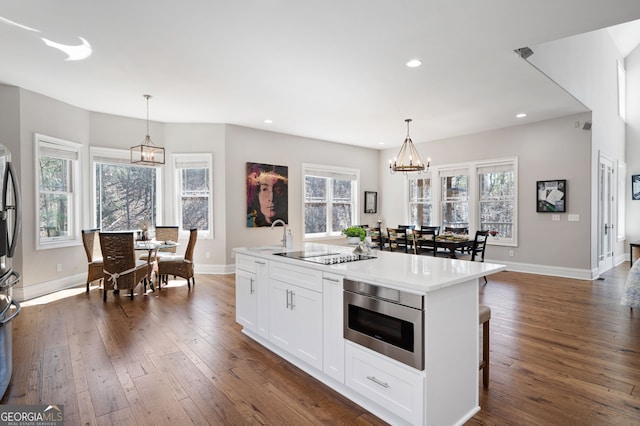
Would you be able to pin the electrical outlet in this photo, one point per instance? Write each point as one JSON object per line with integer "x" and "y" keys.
{"x": 208, "y": 255}
{"x": 510, "y": 253}
{"x": 59, "y": 267}
{"x": 555, "y": 217}
{"x": 573, "y": 218}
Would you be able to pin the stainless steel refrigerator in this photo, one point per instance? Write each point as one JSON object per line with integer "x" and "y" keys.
{"x": 10, "y": 223}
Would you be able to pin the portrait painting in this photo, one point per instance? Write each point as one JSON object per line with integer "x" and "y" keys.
{"x": 267, "y": 194}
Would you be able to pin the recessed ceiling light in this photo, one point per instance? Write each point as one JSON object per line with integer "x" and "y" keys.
{"x": 381, "y": 143}
{"x": 414, "y": 63}
{"x": 521, "y": 115}
{"x": 268, "y": 121}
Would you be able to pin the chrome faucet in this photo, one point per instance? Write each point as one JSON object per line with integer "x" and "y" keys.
{"x": 284, "y": 231}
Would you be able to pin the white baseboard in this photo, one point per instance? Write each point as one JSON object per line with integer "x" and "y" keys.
{"x": 556, "y": 271}
{"x": 47, "y": 287}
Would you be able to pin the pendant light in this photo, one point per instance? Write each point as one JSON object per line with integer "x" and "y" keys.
{"x": 408, "y": 160}
{"x": 147, "y": 153}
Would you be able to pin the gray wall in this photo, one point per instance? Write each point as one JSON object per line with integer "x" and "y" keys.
{"x": 251, "y": 145}
{"x": 552, "y": 149}
{"x": 586, "y": 66}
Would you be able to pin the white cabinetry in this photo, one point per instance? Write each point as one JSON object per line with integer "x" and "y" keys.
{"x": 397, "y": 388}
{"x": 333, "y": 352}
{"x": 251, "y": 292}
{"x": 295, "y": 306}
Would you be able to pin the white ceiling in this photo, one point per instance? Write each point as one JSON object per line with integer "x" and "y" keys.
{"x": 332, "y": 69}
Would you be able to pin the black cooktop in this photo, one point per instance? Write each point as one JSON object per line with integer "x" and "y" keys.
{"x": 326, "y": 257}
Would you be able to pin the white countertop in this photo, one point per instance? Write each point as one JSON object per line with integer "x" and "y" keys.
{"x": 419, "y": 273}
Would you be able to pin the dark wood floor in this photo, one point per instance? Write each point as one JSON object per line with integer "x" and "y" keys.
{"x": 563, "y": 352}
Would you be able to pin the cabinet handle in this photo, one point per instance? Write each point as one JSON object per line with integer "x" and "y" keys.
{"x": 335, "y": 280}
{"x": 292, "y": 295}
{"x": 288, "y": 299}
{"x": 378, "y": 382}
{"x": 260, "y": 263}
{"x": 251, "y": 286}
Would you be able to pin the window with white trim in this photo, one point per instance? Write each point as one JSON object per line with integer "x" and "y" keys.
{"x": 420, "y": 202}
{"x": 497, "y": 199}
{"x": 478, "y": 195}
{"x": 194, "y": 196}
{"x": 57, "y": 180}
{"x": 330, "y": 200}
{"x": 126, "y": 196}
{"x": 454, "y": 197}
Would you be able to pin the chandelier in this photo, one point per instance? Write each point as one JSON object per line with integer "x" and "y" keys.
{"x": 408, "y": 159}
{"x": 147, "y": 153}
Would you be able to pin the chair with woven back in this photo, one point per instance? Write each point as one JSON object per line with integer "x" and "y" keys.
{"x": 122, "y": 271}
{"x": 94, "y": 255}
{"x": 181, "y": 266}
{"x": 163, "y": 234}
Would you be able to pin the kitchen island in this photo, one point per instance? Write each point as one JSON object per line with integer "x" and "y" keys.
{"x": 294, "y": 304}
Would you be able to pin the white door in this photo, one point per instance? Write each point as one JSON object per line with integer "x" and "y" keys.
{"x": 606, "y": 204}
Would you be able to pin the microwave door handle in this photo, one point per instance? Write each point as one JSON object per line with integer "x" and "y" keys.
{"x": 10, "y": 173}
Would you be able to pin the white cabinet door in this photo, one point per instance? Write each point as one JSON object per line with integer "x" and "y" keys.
{"x": 295, "y": 323}
{"x": 282, "y": 319}
{"x": 262, "y": 287}
{"x": 246, "y": 299}
{"x": 307, "y": 307}
{"x": 333, "y": 353}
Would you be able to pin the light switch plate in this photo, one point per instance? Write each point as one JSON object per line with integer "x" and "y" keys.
{"x": 555, "y": 217}
{"x": 573, "y": 218}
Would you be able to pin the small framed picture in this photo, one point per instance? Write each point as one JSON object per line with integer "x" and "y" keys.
{"x": 370, "y": 202}
{"x": 551, "y": 196}
{"x": 635, "y": 187}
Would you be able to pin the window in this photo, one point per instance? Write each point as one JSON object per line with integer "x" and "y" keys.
{"x": 478, "y": 195}
{"x": 193, "y": 183}
{"x": 455, "y": 197}
{"x": 57, "y": 171}
{"x": 126, "y": 196}
{"x": 420, "y": 204}
{"x": 330, "y": 200}
{"x": 497, "y": 199}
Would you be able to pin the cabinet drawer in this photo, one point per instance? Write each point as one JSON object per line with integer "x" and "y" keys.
{"x": 296, "y": 275}
{"x": 245, "y": 263}
{"x": 391, "y": 386}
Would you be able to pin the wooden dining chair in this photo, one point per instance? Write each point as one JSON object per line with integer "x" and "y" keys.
{"x": 478, "y": 248}
{"x": 431, "y": 228}
{"x": 122, "y": 271}
{"x": 397, "y": 239}
{"x": 94, "y": 255}
{"x": 425, "y": 241}
{"x": 457, "y": 229}
{"x": 181, "y": 266}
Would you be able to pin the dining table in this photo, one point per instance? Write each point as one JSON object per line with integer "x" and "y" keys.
{"x": 452, "y": 244}
{"x": 152, "y": 247}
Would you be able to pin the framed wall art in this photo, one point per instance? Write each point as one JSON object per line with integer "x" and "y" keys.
{"x": 267, "y": 194}
{"x": 551, "y": 196}
{"x": 370, "y": 202}
{"x": 635, "y": 187}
